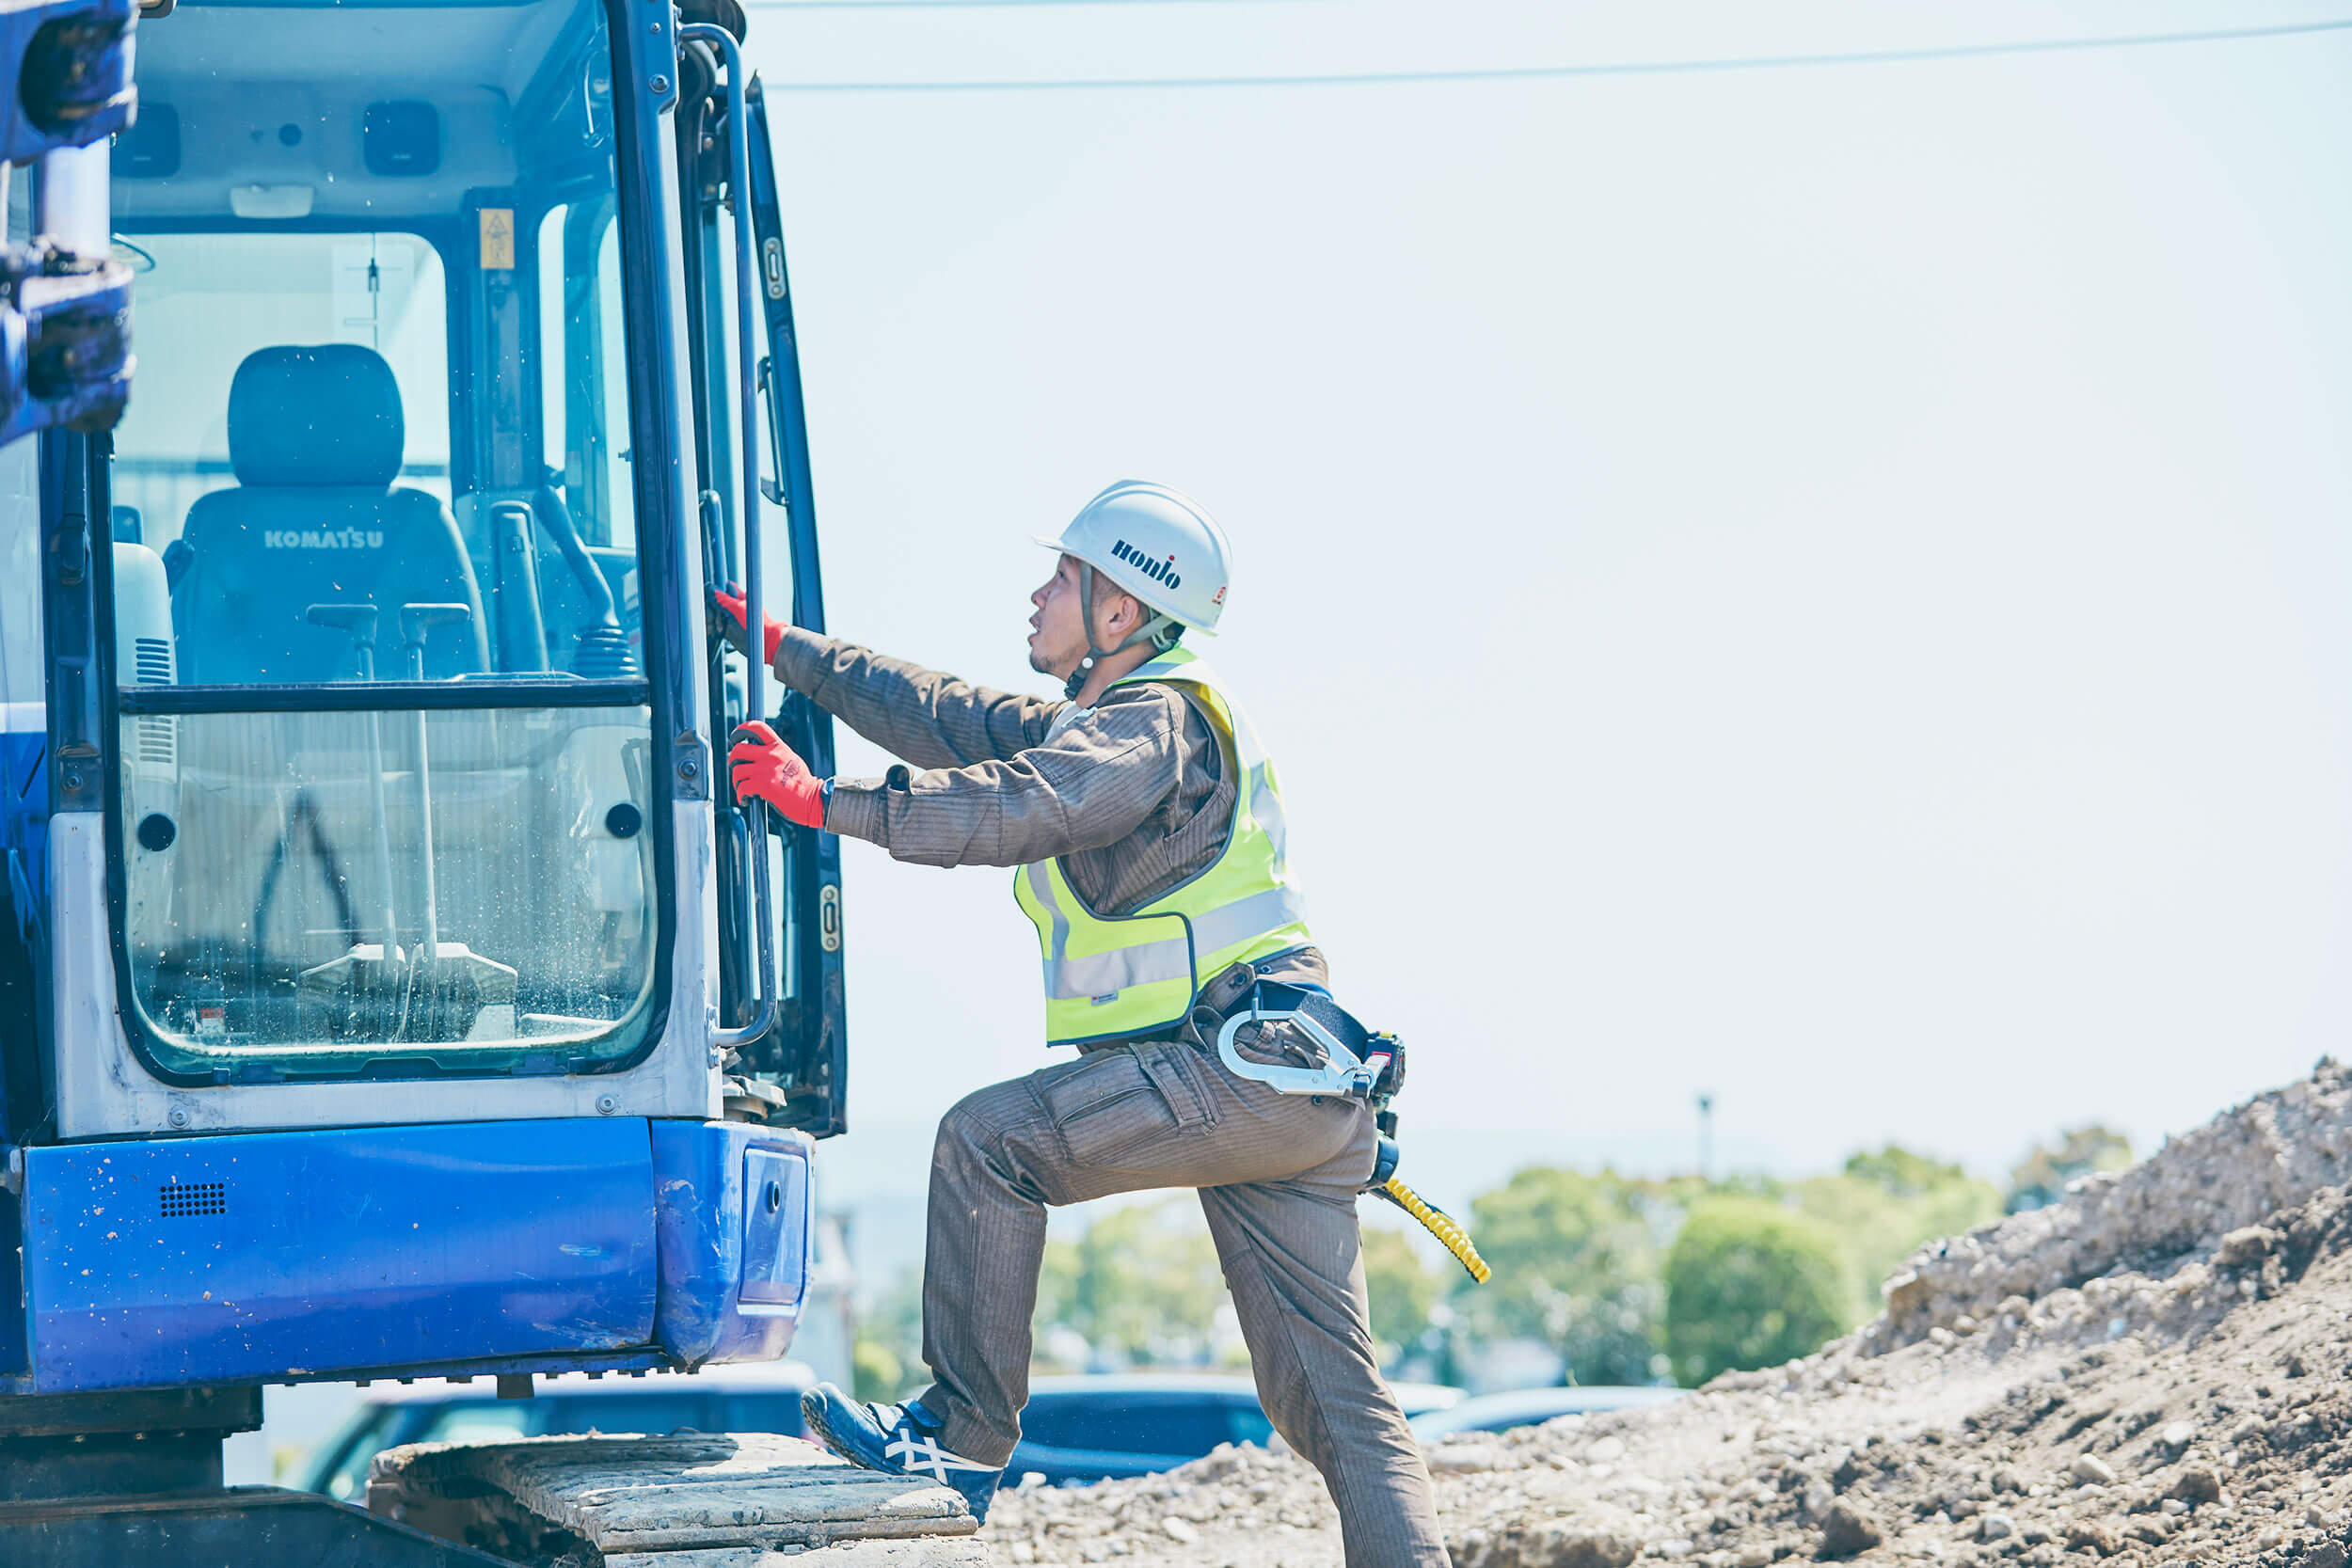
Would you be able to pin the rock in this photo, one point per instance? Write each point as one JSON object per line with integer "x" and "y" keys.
{"x": 2197, "y": 1483}
{"x": 2248, "y": 1244}
{"x": 1608, "y": 1451}
{"x": 2091, "y": 1467}
{"x": 1757, "y": 1555}
{"x": 2177, "y": 1436}
{"x": 2006, "y": 1480}
{"x": 1462, "y": 1459}
{"x": 1846, "y": 1530}
{"x": 1995, "y": 1527}
{"x": 1600, "y": 1538}
{"x": 2089, "y": 1535}
{"x": 1848, "y": 1470}
{"x": 1180, "y": 1530}
{"x": 2328, "y": 1554}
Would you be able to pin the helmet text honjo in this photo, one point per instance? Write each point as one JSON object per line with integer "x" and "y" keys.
{"x": 1159, "y": 571}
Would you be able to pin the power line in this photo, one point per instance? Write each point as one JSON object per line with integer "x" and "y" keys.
{"x": 1513, "y": 73}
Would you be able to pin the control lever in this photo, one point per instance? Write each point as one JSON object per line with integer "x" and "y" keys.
{"x": 455, "y": 982}
{"x": 443, "y": 965}
{"x": 359, "y": 621}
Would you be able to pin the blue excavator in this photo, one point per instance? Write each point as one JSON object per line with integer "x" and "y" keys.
{"x": 388, "y": 988}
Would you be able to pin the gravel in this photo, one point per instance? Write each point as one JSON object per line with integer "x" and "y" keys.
{"x": 2150, "y": 1372}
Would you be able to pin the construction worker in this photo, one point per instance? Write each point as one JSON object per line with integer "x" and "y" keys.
{"x": 1147, "y": 825}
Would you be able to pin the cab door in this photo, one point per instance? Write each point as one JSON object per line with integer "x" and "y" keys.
{"x": 800, "y": 1066}
{"x": 810, "y": 1059}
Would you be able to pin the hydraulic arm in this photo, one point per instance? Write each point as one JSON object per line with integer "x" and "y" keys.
{"x": 64, "y": 305}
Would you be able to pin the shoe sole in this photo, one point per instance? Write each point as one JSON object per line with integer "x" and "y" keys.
{"x": 833, "y": 1445}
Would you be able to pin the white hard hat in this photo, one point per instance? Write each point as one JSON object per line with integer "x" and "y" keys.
{"x": 1155, "y": 542}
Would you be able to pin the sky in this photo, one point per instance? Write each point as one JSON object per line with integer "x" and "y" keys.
{"x": 1827, "y": 586}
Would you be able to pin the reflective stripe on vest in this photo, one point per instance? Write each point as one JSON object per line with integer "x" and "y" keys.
{"x": 1114, "y": 976}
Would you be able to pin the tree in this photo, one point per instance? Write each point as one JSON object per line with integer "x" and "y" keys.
{"x": 1142, "y": 1285}
{"x": 1576, "y": 1266}
{"x": 1885, "y": 1204}
{"x": 1750, "y": 1284}
{"x": 875, "y": 1371}
{"x": 2041, "y": 1178}
{"x": 887, "y": 1352}
{"x": 1402, "y": 1288}
{"x": 1900, "y": 1172}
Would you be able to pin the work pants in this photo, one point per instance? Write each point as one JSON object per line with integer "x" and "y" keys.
{"x": 1277, "y": 1175}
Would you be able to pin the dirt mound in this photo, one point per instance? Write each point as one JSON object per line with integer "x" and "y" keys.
{"x": 2267, "y": 1155}
{"x": 2151, "y": 1372}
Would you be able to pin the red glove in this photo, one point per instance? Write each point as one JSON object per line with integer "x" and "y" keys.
{"x": 731, "y": 600}
{"x": 764, "y": 766}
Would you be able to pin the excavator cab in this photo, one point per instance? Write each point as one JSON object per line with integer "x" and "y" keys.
{"x": 391, "y": 988}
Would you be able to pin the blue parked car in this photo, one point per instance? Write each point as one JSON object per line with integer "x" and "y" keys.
{"x": 1078, "y": 1429}
{"x": 1521, "y": 1407}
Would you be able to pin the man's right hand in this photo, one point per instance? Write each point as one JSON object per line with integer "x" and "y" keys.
{"x": 733, "y": 621}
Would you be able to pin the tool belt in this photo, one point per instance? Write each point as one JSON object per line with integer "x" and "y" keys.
{"x": 1347, "y": 1059}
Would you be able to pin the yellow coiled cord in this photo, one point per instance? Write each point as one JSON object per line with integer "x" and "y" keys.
{"x": 1440, "y": 1224}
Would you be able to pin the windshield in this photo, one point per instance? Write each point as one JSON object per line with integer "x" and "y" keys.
{"x": 386, "y": 787}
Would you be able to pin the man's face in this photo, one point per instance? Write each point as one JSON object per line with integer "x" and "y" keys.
{"x": 1058, "y": 634}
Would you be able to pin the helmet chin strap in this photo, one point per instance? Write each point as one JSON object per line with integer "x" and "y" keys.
{"x": 1161, "y": 631}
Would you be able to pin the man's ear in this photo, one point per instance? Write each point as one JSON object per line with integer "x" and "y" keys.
{"x": 1137, "y": 613}
{"x": 1126, "y": 613}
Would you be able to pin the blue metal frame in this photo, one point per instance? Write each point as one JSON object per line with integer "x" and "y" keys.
{"x": 736, "y": 1207}
{"x": 504, "y": 691}
{"x": 440, "y": 1250}
{"x": 453, "y": 1250}
{"x": 171, "y": 1262}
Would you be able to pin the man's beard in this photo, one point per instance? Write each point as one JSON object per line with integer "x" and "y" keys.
{"x": 1043, "y": 665}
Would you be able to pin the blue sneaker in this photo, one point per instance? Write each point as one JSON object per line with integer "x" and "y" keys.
{"x": 897, "y": 1440}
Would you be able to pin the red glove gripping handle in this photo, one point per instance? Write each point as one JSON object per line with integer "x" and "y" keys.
{"x": 731, "y": 602}
{"x": 762, "y": 765}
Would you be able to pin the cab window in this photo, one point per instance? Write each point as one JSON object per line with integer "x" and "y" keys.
{"x": 379, "y": 442}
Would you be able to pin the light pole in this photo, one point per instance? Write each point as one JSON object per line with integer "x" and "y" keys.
{"x": 1706, "y": 1136}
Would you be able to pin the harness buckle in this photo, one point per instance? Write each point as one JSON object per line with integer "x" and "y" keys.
{"x": 1343, "y": 1072}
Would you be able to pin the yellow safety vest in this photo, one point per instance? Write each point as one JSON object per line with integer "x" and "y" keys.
{"x": 1118, "y": 976}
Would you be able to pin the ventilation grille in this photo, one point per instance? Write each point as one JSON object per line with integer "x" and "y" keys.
{"x": 159, "y": 736}
{"x": 182, "y": 1200}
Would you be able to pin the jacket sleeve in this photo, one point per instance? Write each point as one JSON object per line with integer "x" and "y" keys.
{"x": 1097, "y": 783}
{"x": 930, "y": 719}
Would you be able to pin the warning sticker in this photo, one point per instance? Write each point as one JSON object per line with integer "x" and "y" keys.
{"x": 497, "y": 239}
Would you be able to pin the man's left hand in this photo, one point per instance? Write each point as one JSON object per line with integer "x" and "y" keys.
{"x": 762, "y": 765}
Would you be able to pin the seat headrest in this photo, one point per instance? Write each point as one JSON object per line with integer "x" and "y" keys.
{"x": 326, "y": 414}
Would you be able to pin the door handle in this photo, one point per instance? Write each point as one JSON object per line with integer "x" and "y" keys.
{"x": 747, "y": 393}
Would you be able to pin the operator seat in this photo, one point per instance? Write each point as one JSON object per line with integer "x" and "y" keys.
{"x": 317, "y": 438}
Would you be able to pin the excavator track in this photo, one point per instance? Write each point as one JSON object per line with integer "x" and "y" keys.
{"x": 691, "y": 1501}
